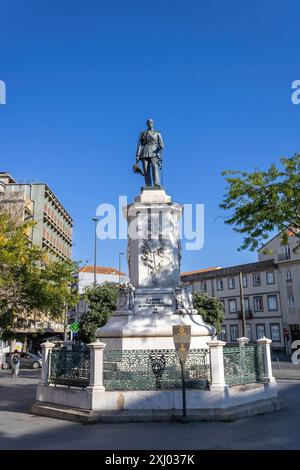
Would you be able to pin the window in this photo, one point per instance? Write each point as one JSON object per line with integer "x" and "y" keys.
{"x": 289, "y": 276}
{"x": 260, "y": 331}
{"x": 247, "y": 304}
{"x": 256, "y": 279}
{"x": 234, "y": 332}
{"x": 219, "y": 284}
{"x": 295, "y": 332}
{"x": 258, "y": 304}
{"x": 248, "y": 331}
{"x": 270, "y": 277}
{"x": 291, "y": 300}
{"x": 272, "y": 303}
{"x": 284, "y": 253}
{"x": 204, "y": 286}
{"x": 287, "y": 252}
{"x": 223, "y": 303}
{"x": 25, "y": 355}
{"x": 245, "y": 280}
{"x": 231, "y": 283}
{"x": 223, "y": 334}
{"x": 275, "y": 332}
{"x": 232, "y": 305}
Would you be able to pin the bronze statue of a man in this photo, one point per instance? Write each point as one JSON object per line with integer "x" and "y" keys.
{"x": 148, "y": 151}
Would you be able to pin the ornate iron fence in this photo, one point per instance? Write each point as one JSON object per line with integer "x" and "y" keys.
{"x": 154, "y": 369}
{"x": 243, "y": 365}
{"x": 70, "y": 368}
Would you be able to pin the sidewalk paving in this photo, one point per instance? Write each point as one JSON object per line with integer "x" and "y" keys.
{"x": 21, "y": 430}
{"x": 284, "y": 369}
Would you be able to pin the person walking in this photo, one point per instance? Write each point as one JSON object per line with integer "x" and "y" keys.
{"x": 15, "y": 363}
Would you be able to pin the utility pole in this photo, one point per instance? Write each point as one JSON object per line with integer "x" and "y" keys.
{"x": 242, "y": 305}
{"x": 66, "y": 323}
{"x": 95, "y": 220}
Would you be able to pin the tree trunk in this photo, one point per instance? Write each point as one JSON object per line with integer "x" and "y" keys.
{"x": 12, "y": 344}
{"x": 25, "y": 344}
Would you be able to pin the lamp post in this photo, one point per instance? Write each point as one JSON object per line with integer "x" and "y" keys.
{"x": 95, "y": 219}
{"x": 120, "y": 254}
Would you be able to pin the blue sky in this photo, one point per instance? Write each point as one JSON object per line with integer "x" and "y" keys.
{"x": 83, "y": 76}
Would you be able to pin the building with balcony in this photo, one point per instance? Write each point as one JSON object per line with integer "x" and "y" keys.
{"x": 52, "y": 230}
{"x": 18, "y": 202}
{"x": 270, "y": 289}
{"x": 53, "y": 224}
{"x": 287, "y": 261}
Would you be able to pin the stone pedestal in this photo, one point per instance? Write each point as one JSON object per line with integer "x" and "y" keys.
{"x": 145, "y": 321}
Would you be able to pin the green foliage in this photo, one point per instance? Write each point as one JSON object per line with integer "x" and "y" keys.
{"x": 102, "y": 300}
{"x": 264, "y": 201}
{"x": 32, "y": 287}
{"x": 210, "y": 308}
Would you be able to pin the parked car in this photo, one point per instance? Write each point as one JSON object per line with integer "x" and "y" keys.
{"x": 5, "y": 361}
{"x": 27, "y": 361}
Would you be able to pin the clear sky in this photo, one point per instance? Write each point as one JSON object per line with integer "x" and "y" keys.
{"x": 83, "y": 76}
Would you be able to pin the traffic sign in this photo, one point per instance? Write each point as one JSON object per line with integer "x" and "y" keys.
{"x": 74, "y": 327}
{"x": 286, "y": 332}
{"x": 182, "y": 341}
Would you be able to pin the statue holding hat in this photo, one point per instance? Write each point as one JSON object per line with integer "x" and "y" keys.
{"x": 150, "y": 146}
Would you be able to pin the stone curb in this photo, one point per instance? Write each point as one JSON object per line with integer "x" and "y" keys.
{"x": 92, "y": 417}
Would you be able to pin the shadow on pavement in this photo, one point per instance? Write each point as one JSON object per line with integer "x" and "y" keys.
{"x": 21, "y": 430}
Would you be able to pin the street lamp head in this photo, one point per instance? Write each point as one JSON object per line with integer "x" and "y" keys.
{"x": 95, "y": 219}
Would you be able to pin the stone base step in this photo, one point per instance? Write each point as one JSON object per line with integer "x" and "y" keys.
{"x": 125, "y": 416}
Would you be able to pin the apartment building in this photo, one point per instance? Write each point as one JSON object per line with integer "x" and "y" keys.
{"x": 288, "y": 271}
{"x": 52, "y": 230}
{"x": 36, "y": 201}
{"x": 18, "y": 203}
{"x": 270, "y": 289}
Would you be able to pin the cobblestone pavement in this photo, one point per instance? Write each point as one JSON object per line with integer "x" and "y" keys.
{"x": 21, "y": 430}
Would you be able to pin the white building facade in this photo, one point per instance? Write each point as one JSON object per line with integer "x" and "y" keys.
{"x": 85, "y": 278}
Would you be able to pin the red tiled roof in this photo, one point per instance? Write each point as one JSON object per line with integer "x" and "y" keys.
{"x": 214, "y": 268}
{"x": 100, "y": 270}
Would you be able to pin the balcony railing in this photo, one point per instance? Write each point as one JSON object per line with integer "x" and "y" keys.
{"x": 284, "y": 256}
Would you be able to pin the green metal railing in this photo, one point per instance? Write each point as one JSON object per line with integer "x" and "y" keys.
{"x": 154, "y": 369}
{"x": 70, "y": 368}
{"x": 243, "y": 365}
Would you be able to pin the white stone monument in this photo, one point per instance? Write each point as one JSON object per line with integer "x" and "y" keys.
{"x": 147, "y": 309}
{"x": 154, "y": 300}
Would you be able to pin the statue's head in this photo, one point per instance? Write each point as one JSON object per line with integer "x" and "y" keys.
{"x": 150, "y": 123}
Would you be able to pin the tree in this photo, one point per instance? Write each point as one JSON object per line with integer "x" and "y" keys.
{"x": 264, "y": 201}
{"x": 210, "y": 308}
{"x": 102, "y": 300}
{"x": 32, "y": 287}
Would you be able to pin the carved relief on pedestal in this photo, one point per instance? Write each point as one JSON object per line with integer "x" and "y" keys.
{"x": 179, "y": 247}
{"x": 154, "y": 256}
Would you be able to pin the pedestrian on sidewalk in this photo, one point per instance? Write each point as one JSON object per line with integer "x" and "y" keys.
{"x": 15, "y": 363}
